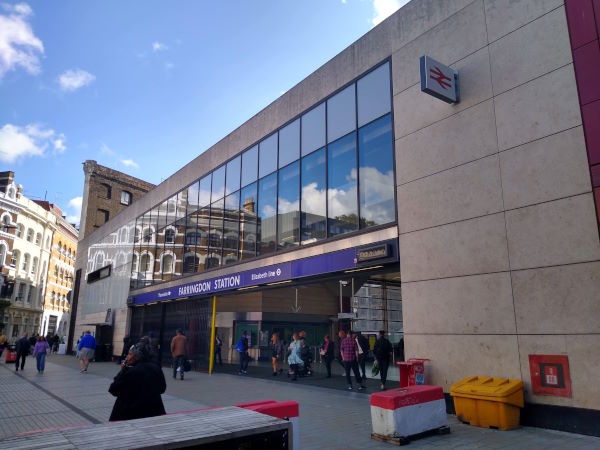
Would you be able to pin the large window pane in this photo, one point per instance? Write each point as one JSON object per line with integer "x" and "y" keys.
{"x": 314, "y": 204}
{"x": 374, "y": 97}
{"x": 313, "y": 129}
{"x": 204, "y": 190}
{"x": 192, "y": 197}
{"x": 341, "y": 190}
{"x": 267, "y": 213}
{"x": 288, "y": 214}
{"x": 376, "y": 173}
{"x": 289, "y": 143}
{"x": 218, "y": 184}
{"x": 215, "y": 237}
{"x": 233, "y": 175}
{"x": 202, "y": 239}
{"x": 248, "y": 222}
{"x": 249, "y": 166}
{"x": 267, "y": 158}
{"x": 190, "y": 261}
{"x": 341, "y": 114}
{"x": 231, "y": 228}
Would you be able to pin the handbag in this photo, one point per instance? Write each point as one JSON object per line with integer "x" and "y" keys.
{"x": 375, "y": 369}
{"x": 187, "y": 366}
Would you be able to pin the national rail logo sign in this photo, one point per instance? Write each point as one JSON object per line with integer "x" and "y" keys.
{"x": 439, "y": 80}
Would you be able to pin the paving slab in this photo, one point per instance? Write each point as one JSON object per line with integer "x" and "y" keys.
{"x": 330, "y": 416}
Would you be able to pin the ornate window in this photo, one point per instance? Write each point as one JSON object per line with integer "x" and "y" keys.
{"x": 25, "y": 264}
{"x": 19, "y": 230}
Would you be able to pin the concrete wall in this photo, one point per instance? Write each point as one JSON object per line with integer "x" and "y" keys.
{"x": 499, "y": 248}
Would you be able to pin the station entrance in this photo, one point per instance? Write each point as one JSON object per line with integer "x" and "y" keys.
{"x": 366, "y": 302}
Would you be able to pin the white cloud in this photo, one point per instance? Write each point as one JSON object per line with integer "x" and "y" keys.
{"x": 74, "y": 210}
{"x": 32, "y": 140}
{"x": 129, "y": 163}
{"x": 19, "y": 46}
{"x": 72, "y": 80}
{"x": 59, "y": 143}
{"x": 169, "y": 65}
{"x": 385, "y": 8}
{"x": 159, "y": 47}
{"x": 106, "y": 150}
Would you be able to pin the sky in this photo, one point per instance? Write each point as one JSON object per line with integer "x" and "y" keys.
{"x": 145, "y": 86}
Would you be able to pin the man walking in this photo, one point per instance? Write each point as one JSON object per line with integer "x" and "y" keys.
{"x": 23, "y": 347}
{"x": 86, "y": 349}
{"x": 178, "y": 347}
{"x": 218, "y": 345}
{"x": 363, "y": 350}
{"x": 242, "y": 349}
{"x": 383, "y": 353}
{"x": 349, "y": 350}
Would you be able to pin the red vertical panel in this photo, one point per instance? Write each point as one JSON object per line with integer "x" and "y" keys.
{"x": 596, "y": 175}
{"x": 591, "y": 125}
{"x": 597, "y": 197}
{"x": 582, "y": 25}
{"x": 587, "y": 71}
{"x": 597, "y": 14}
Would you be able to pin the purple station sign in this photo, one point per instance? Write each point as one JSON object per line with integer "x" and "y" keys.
{"x": 315, "y": 265}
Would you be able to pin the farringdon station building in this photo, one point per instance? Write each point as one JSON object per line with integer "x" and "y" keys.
{"x": 468, "y": 229}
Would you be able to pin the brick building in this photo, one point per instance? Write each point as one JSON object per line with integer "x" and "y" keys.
{"x": 106, "y": 192}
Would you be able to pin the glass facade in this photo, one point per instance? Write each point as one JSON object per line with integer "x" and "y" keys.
{"x": 326, "y": 173}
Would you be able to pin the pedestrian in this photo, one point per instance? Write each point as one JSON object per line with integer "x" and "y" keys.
{"x": 154, "y": 346}
{"x": 32, "y": 340}
{"x": 383, "y": 354}
{"x": 276, "y": 349}
{"x": 178, "y": 351}
{"x": 39, "y": 352}
{"x": 218, "y": 345}
{"x": 126, "y": 347}
{"x": 2, "y": 343}
{"x": 326, "y": 353}
{"x": 23, "y": 346}
{"x": 363, "y": 351}
{"x": 55, "y": 342}
{"x": 86, "y": 349}
{"x": 294, "y": 360}
{"x": 138, "y": 385}
{"x": 242, "y": 349}
{"x": 349, "y": 350}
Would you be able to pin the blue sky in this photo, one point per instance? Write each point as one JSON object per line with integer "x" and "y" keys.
{"x": 146, "y": 86}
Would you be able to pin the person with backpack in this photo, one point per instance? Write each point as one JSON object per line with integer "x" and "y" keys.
{"x": 383, "y": 353}
{"x": 363, "y": 351}
{"x": 178, "y": 350}
{"x": 242, "y": 349}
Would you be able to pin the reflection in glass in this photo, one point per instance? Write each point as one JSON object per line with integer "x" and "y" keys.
{"x": 191, "y": 236}
{"x": 267, "y": 156}
{"x": 204, "y": 190}
{"x": 215, "y": 237}
{"x": 192, "y": 197}
{"x": 314, "y": 205}
{"x": 289, "y": 143}
{"x": 203, "y": 237}
{"x": 341, "y": 114}
{"x": 231, "y": 228}
{"x": 249, "y": 165}
{"x": 374, "y": 98}
{"x": 233, "y": 175}
{"x": 288, "y": 213}
{"x": 267, "y": 212}
{"x": 313, "y": 129}
{"x": 248, "y": 222}
{"x": 218, "y": 184}
{"x": 341, "y": 191}
{"x": 376, "y": 173}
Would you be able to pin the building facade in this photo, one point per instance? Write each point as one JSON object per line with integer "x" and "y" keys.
{"x": 106, "y": 192}
{"x": 60, "y": 276}
{"x": 469, "y": 230}
{"x": 25, "y": 253}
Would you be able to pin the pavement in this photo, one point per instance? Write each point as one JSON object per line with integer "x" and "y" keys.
{"x": 330, "y": 417}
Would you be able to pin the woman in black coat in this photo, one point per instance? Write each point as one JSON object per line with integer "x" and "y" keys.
{"x": 327, "y": 353}
{"x": 138, "y": 386}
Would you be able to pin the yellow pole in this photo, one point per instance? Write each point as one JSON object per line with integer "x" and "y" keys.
{"x": 212, "y": 337}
